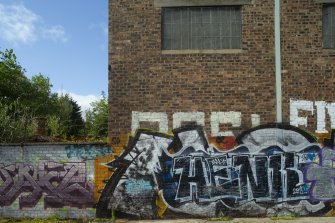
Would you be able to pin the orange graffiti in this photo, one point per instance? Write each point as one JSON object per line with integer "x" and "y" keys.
{"x": 222, "y": 143}
{"x": 161, "y": 206}
{"x": 101, "y": 172}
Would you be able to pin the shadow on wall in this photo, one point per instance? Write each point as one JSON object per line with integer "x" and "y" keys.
{"x": 273, "y": 169}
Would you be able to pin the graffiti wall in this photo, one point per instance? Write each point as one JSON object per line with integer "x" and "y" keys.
{"x": 268, "y": 170}
{"x": 49, "y": 180}
{"x": 321, "y": 112}
{"x": 274, "y": 169}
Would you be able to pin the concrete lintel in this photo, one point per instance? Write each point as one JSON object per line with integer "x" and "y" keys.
{"x": 324, "y": 1}
{"x": 178, "y": 3}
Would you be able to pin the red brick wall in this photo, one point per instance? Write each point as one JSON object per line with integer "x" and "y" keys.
{"x": 143, "y": 79}
{"x": 309, "y": 70}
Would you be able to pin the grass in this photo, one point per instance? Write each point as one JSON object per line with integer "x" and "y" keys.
{"x": 52, "y": 220}
{"x": 284, "y": 217}
{"x": 26, "y": 220}
{"x": 225, "y": 218}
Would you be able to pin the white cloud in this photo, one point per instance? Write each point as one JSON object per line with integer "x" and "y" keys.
{"x": 82, "y": 100}
{"x": 19, "y": 25}
{"x": 55, "y": 33}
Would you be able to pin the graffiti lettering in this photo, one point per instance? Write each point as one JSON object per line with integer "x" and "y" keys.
{"x": 63, "y": 184}
{"x": 261, "y": 178}
{"x": 86, "y": 152}
{"x": 234, "y": 118}
{"x": 270, "y": 165}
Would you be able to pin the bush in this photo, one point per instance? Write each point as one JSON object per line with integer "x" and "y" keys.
{"x": 16, "y": 122}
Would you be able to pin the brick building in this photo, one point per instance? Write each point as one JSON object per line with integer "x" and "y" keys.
{"x": 213, "y": 62}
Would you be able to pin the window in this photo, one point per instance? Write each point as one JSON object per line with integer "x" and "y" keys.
{"x": 194, "y": 28}
{"x": 328, "y": 25}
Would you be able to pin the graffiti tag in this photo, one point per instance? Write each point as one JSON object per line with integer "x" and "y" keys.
{"x": 63, "y": 184}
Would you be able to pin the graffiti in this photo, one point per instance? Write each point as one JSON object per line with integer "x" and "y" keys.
{"x": 86, "y": 152}
{"x": 216, "y": 118}
{"x": 321, "y": 107}
{"x": 271, "y": 165}
{"x": 322, "y": 176}
{"x": 234, "y": 118}
{"x": 62, "y": 184}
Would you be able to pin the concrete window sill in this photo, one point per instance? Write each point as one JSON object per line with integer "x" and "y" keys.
{"x": 223, "y": 51}
{"x": 178, "y": 3}
{"x": 324, "y": 1}
{"x": 329, "y": 50}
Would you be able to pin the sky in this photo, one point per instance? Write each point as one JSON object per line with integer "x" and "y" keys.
{"x": 65, "y": 40}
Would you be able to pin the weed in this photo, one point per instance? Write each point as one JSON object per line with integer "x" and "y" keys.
{"x": 284, "y": 217}
{"x": 225, "y": 218}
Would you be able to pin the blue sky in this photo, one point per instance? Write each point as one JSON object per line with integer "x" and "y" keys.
{"x": 65, "y": 40}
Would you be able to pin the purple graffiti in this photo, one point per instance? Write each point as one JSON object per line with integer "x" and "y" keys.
{"x": 63, "y": 184}
{"x": 322, "y": 176}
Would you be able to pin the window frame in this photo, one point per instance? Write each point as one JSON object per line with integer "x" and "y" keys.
{"x": 196, "y": 42}
{"x": 184, "y": 3}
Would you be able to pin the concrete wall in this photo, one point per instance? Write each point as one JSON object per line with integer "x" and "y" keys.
{"x": 269, "y": 170}
{"x": 48, "y": 180}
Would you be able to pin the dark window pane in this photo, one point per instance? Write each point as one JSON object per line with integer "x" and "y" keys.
{"x": 185, "y": 37}
{"x": 225, "y": 41}
{"x": 197, "y": 43}
{"x": 328, "y": 26}
{"x": 225, "y": 30}
{"x": 235, "y": 43}
{"x": 217, "y": 43}
{"x": 206, "y": 15}
{"x": 196, "y": 15}
{"x": 235, "y": 29}
{"x": 207, "y": 43}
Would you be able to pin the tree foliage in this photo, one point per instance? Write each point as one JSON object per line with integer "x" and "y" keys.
{"x": 67, "y": 120}
{"x": 97, "y": 118}
{"x": 34, "y": 93}
{"x": 16, "y": 122}
{"x": 23, "y": 101}
{"x": 44, "y": 102}
{"x": 14, "y": 85}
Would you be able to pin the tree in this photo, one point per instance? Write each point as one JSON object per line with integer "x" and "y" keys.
{"x": 25, "y": 102}
{"x": 97, "y": 118}
{"x": 35, "y": 94}
{"x": 16, "y": 122}
{"x": 77, "y": 122}
{"x": 14, "y": 85}
{"x": 66, "y": 120}
{"x": 43, "y": 101}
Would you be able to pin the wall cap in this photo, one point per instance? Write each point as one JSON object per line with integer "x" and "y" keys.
{"x": 177, "y": 3}
{"x": 54, "y": 144}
